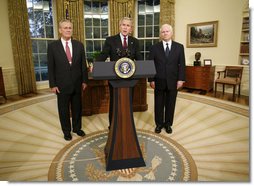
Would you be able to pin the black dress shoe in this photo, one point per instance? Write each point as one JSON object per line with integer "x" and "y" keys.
{"x": 158, "y": 129}
{"x": 168, "y": 129}
{"x": 67, "y": 137}
{"x": 80, "y": 133}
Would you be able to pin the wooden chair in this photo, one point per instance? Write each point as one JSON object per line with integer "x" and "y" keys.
{"x": 2, "y": 89}
{"x": 232, "y": 76}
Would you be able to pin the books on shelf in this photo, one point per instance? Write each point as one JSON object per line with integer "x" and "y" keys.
{"x": 244, "y": 48}
{"x": 245, "y": 23}
{"x": 245, "y": 37}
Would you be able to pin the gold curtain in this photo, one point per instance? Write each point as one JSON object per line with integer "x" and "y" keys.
{"x": 21, "y": 46}
{"x": 167, "y": 12}
{"x": 118, "y": 10}
{"x": 76, "y": 15}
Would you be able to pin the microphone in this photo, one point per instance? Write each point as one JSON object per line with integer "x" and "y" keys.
{"x": 123, "y": 53}
{"x": 118, "y": 51}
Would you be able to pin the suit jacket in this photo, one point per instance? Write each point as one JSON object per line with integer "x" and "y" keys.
{"x": 171, "y": 69}
{"x": 63, "y": 75}
{"x": 114, "y": 44}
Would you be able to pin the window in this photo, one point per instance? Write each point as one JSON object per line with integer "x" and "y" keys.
{"x": 96, "y": 26}
{"x": 40, "y": 18}
{"x": 148, "y": 24}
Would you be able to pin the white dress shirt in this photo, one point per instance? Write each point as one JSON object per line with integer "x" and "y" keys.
{"x": 165, "y": 44}
{"x": 69, "y": 44}
{"x": 122, "y": 38}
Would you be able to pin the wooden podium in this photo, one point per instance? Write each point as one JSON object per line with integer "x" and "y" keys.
{"x": 122, "y": 149}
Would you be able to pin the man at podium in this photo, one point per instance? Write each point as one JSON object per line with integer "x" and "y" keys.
{"x": 118, "y": 46}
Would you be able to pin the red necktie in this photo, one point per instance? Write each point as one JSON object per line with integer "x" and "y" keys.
{"x": 125, "y": 42}
{"x": 68, "y": 52}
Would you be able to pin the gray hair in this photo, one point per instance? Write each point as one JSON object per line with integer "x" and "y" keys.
{"x": 169, "y": 26}
{"x": 64, "y": 21}
{"x": 125, "y": 18}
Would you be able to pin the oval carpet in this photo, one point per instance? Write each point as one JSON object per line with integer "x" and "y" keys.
{"x": 84, "y": 160}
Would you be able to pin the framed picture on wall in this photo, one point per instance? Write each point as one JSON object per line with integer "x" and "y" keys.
{"x": 202, "y": 34}
{"x": 207, "y": 62}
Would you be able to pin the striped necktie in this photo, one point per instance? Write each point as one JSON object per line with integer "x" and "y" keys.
{"x": 68, "y": 52}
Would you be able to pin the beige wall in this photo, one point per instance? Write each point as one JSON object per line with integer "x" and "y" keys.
{"x": 227, "y": 12}
{"x": 229, "y": 15}
{"x": 6, "y": 60}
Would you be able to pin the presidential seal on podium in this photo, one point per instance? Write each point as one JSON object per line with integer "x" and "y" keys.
{"x": 125, "y": 67}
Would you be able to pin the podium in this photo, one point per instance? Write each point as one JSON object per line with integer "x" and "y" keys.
{"x": 122, "y": 149}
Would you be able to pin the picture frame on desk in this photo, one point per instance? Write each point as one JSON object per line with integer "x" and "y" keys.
{"x": 202, "y": 34}
{"x": 207, "y": 62}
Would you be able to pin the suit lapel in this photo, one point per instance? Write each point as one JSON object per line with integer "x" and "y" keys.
{"x": 130, "y": 42}
{"x": 119, "y": 42}
{"x": 74, "y": 50}
{"x": 172, "y": 50}
{"x": 161, "y": 48}
{"x": 61, "y": 49}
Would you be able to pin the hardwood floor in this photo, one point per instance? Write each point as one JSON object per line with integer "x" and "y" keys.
{"x": 13, "y": 98}
{"x": 243, "y": 100}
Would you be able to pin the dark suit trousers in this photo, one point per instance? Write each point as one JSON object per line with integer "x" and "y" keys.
{"x": 165, "y": 101}
{"x": 65, "y": 103}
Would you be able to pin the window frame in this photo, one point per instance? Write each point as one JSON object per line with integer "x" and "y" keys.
{"x": 92, "y": 53}
{"x": 38, "y": 68}
{"x": 143, "y": 40}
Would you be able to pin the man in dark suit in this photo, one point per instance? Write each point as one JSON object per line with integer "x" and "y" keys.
{"x": 118, "y": 46}
{"x": 67, "y": 73}
{"x": 169, "y": 60}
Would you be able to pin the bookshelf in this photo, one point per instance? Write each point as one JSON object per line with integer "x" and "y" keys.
{"x": 245, "y": 38}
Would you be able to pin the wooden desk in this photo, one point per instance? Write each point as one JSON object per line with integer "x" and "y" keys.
{"x": 96, "y": 97}
{"x": 200, "y": 77}
{"x": 2, "y": 89}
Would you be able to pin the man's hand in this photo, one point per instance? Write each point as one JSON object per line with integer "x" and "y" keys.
{"x": 152, "y": 84}
{"x": 84, "y": 85}
{"x": 90, "y": 68}
{"x": 179, "y": 84}
{"x": 55, "y": 90}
